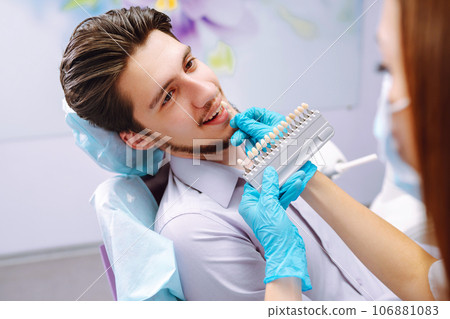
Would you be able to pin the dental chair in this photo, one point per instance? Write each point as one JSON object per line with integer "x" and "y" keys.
{"x": 143, "y": 262}
{"x": 140, "y": 264}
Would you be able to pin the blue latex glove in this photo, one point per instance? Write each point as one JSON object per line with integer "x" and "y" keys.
{"x": 253, "y": 125}
{"x": 284, "y": 247}
{"x": 296, "y": 183}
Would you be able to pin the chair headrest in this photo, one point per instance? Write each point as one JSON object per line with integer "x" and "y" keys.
{"x": 108, "y": 150}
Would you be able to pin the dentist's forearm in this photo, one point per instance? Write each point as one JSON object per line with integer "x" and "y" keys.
{"x": 395, "y": 259}
{"x": 284, "y": 289}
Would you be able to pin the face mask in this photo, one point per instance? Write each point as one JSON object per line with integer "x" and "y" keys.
{"x": 405, "y": 177}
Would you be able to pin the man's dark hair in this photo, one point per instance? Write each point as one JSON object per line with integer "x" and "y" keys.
{"x": 97, "y": 53}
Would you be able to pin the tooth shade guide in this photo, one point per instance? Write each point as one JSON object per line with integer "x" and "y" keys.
{"x": 258, "y": 146}
{"x": 250, "y": 155}
{"x": 255, "y": 152}
{"x": 302, "y": 126}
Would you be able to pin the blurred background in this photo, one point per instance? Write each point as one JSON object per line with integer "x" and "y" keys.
{"x": 49, "y": 237}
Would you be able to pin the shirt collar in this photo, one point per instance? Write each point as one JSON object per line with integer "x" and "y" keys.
{"x": 216, "y": 180}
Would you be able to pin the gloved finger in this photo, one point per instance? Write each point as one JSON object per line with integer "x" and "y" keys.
{"x": 309, "y": 169}
{"x": 251, "y": 127}
{"x": 271, "y": 118}
{"x": 255, "y": 113}
{"x": 270, "y": 187}
{"x": 294, "y": 178}
{"x": 249, "y": 201}
{"x": 238, "y": 138}
{"x": 250, "y": 194}
{"x": 292, "y": 189}
{"x": 249, "y": 145}
{"x": 233, "y": 121}
{"x": 263, "y": 115}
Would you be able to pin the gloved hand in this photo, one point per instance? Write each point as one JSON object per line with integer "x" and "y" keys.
{"x": 284, "y": 247}
{"x": 254, "y": 124}
{"x": 296, "y": 183}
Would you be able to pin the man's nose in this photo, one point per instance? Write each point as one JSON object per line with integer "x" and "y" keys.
{"x": 200, "y": 92}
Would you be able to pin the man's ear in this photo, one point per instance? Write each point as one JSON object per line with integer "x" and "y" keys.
{"x": 139, "y": 141}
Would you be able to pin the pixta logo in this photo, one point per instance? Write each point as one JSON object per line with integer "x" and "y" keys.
{"x": 146, "y": 153}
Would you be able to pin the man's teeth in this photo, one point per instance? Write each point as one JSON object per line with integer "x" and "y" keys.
{"x": 215, "y": 113}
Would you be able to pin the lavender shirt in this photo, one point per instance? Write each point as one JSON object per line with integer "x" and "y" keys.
{"x": 219, "y": 257}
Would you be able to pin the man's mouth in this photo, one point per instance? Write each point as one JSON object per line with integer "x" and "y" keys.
{"x": 218, "y": 112}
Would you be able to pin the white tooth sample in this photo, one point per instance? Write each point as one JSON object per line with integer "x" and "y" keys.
{"x": 281, "y": 129}
{"x": 306, "y": 108}
{"x": 276, "y": 131}
{"x": 250, "y": 155}
{"x": 292, "y": 117}
{"x": 300, "y": 109}
{"x": 260, "y": 145}
{"x": 244, "y": 164}
{"x": 298, "y": 113}
{"x": 273, "y": 142}
{"x": 255, "y": 151}
{"x": 286, "y": 124}
{"x": 263, "y": 142}
{"x": 268, "y": 143}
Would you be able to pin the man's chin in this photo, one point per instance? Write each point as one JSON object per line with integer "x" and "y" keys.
{"x": 199, "y": 147}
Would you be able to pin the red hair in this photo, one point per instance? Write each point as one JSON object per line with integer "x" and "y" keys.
{"x": 425, "y": 29}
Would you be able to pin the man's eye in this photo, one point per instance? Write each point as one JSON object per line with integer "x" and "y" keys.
{"x": 168, "y": 97}
{"x": 190, "y": 64}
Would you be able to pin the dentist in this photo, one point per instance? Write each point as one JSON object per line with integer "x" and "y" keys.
{"x": 412, "y": 127}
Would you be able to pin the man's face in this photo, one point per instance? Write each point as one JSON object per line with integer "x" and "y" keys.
{"x": 192, "y": 94}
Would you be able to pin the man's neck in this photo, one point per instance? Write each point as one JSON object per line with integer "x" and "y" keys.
{"x": 227, "y": 157}
{"x": 231, "y": 155}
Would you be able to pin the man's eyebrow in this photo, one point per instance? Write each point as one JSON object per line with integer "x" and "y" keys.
{"x": 163, "y": 90}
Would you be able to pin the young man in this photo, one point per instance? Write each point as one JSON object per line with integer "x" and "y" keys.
{"x": 124, "y": 71}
